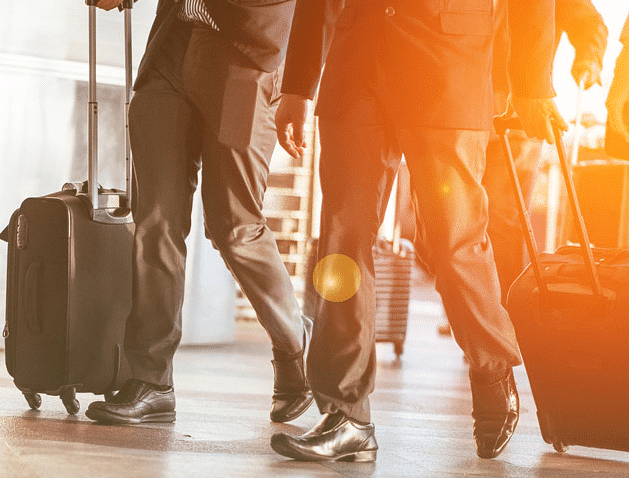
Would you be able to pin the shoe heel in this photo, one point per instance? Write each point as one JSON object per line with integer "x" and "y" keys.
{"x": 364, "y": 456}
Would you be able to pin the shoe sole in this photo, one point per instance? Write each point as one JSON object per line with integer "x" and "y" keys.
{"x": 102, "y": 416}
{"x": 294, "y": 417}
{"x": 363, "y": 456}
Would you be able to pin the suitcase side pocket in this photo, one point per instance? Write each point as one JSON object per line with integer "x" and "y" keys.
{"x": 31, "y": 298}
{"x": 8, "y": 332}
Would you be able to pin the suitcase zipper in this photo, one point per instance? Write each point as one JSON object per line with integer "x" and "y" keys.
{"x": 5, "y": 332}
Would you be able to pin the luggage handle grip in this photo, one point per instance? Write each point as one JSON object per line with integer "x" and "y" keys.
{"x": 98, "y": 213}
{"x": 502, "y": 124}
{"x": 124, "y": 4}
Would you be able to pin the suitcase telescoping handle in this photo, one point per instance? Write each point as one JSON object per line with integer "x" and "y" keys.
{"x": 108, "y": 208}
{"x": 502, "y": 125}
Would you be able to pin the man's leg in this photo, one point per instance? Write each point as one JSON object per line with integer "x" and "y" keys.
{"x": 238, "y": 107}
{"x": 504, "y": 228}
{"x": 166, "y": 147}
{"x": 359, "y": 161}
{"x": 446, "y": 168}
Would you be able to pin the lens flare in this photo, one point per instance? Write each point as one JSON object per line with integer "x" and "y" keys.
{"x": 336, "y": 277}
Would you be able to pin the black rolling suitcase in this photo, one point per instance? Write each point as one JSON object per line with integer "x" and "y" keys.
{"x": 569, "y": 310}
{"x": 69, "y": 279}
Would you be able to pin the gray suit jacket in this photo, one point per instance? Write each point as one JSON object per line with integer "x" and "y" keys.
{"x": 259, "y": 29}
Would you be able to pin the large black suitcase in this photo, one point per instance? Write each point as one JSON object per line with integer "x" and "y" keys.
{"x": 69, "y": 279}
{"x": 568, "y": 309}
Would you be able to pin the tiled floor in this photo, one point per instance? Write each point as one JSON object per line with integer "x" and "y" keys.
{"x": 420, "y": 408}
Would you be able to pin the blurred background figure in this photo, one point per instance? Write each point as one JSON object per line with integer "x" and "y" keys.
{"x": 587, "y": 33}
{"x": 617, "y": 134}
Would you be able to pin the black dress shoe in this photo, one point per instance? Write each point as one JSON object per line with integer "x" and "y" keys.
{"x": 335, "y": 437}
{"x": 495, "y": 410}
{"x": 291, "y": 393}
{"x": 136, "y": 402}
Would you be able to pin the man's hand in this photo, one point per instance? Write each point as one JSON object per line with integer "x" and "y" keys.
{"x": 108, "y": 4}
{"x": 290, "y": 119}
{"x": 588, "y": 70}
{"x": 536, "y": 114}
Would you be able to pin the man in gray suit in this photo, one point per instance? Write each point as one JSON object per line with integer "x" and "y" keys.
{"x": 205, "y": 95}
{"x": 408, "y": 77}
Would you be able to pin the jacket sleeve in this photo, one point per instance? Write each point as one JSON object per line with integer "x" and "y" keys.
{"x": 584, "y": 26}
{"x": 532, "y": 34}
{"x": 310, "y": 38}
{"x": 624, "y": 35}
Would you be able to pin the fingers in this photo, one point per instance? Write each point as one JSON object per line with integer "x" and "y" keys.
{"x": 108, "y": 4}
{"x": 290, "y": 120}
{"x": 536, "y": 116}
{"x": 298, "y": 137}
{"x": 292, "y": 143}
{"x": 287, "y": 141}
{"x": 538, "y": 124}
{"x": 588, "y": 71}
{"x": 555, "y": 116}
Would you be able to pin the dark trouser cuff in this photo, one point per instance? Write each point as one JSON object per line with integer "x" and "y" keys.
{"x": 489, "y": 377}
{"x": 287, "y": 357}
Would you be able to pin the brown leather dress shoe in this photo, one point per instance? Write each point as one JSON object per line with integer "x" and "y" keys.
{"x": 137, "y": 402}
{"x": 291, "y": 393}
{"x": 336, "y": 437}
{"x": 495, "y": 410}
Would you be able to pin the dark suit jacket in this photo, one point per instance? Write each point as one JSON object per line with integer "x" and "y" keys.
{"x": 429, "y": 60}
{"x": 258, "y": 28}
{"x": 581, "y": 22}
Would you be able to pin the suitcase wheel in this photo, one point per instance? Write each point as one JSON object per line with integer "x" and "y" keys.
{"x": 68, "y": 397}
{"x": 559, "y": 446}
{"x": 33, "y": 399}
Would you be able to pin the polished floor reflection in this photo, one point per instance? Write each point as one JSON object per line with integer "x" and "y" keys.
{"x": 421, "y": 411}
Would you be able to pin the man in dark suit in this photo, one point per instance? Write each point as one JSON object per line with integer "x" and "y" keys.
{"x": 412, "y": 78}
{"x": 587, "y": 33}
{"x": 617, "y": 133}
{"x": 206, "y": 94}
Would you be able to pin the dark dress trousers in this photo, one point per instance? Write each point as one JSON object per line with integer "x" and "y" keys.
{"x": 408, "y": 77}
{"x": 206, "y": 100}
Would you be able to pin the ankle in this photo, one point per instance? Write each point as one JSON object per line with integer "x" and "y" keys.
{"x": 155, "y": 386}
{"x": 489, "y": 377}
{"x": 281, "y": 356}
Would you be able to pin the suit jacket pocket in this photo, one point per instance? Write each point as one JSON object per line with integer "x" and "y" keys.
{"x": 467, "y": 22}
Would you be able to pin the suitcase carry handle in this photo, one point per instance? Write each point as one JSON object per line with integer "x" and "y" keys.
{"x": 502, "y": 125}
{"x": 108, "y": 208}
